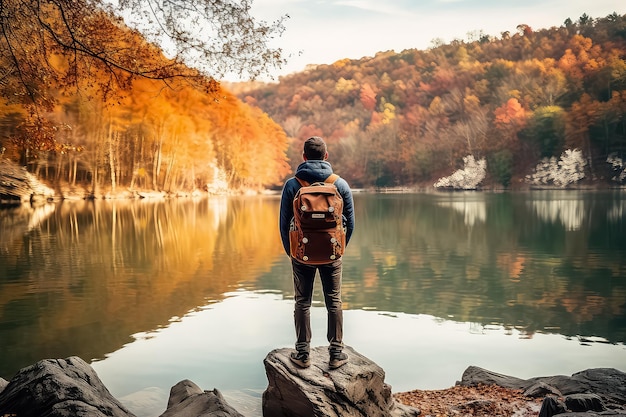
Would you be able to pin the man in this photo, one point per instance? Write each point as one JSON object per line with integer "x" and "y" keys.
{"x": 316, "y": 168}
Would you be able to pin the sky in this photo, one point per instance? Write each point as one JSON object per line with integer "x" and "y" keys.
{"x": 325, "y": 31}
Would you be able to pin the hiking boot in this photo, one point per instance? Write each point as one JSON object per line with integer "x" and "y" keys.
{"x": 337, "y": 359}
{"x": 301, "y": 359}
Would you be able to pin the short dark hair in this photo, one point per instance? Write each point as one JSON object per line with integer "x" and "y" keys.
{"x": 315, "y": 148}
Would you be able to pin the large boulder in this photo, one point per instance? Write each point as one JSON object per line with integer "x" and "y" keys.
{"x": 59, "y": 388}
{"x": 357, "y": 388}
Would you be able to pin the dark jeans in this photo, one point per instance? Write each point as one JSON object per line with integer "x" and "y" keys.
{"x": 303, "y": 280}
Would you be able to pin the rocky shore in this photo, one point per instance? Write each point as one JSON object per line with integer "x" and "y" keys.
{"x": 70, "y": 387}
{"x": 17, "y": 185}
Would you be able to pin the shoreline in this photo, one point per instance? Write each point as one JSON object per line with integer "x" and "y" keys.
{"x": 71, "y": 382}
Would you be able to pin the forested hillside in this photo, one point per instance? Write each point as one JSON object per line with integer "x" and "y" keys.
{"x": 86, "y": 102}
{"x": 411, "y": 117}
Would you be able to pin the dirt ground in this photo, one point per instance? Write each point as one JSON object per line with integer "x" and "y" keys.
{"x": 461, "y": 401}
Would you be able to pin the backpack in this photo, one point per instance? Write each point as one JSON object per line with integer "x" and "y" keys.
{"x": 317, "y": 235}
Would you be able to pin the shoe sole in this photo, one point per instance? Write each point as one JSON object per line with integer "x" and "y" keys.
{"x": 337, "y": 364}
{"x": 301, "y": 364}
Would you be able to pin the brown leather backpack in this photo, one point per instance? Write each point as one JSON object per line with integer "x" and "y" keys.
{"x": 317, "y": 235}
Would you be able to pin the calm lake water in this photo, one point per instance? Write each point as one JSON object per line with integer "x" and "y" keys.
{"x": 154, "y": 292}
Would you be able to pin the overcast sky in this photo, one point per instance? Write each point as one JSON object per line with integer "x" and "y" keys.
{"x": 324, "y": 31}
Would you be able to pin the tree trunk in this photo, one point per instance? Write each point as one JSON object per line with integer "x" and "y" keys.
{"x": 167, "y": 182}
{"x": 73, "y": 170}
{"x": 111, "y": 136}
{"x": 156, "y": 165}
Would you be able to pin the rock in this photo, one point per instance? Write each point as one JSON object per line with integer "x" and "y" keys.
{"x": 541, "y": 389}
{"x": 355, "y": 389}
{"x": 584, "y": 402}
{"x": 551, "y": 406}
{"x": 474, "y": 375}
{"x": 181, "y": 391}
{"x": 17, "y": 185}
{"x": 599, "y": 391}
{"x": 608, "y": 383}
{"x": 3, "y": 384}
{"x": 59, "y": 388}
{"x": 188, "y": 400}
{"x": 577, "y": 405}
{"x": 70, "y": 387}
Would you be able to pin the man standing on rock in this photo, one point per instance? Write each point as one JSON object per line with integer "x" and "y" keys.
{"x": 316, "y": 168}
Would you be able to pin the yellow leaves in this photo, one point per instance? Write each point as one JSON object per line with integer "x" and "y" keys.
{"x": 568, "y": 63}
{"x": 341, "y": 63}
{"x": 504, "y": 63}
{"x": 344, "y": 86}
{"x": 471, "y": 102}
{"x": 437, "y": 107}
{"x": 580, "y": 44}
{"x": 353, "y": 126}
{"x": 388, "y": 113}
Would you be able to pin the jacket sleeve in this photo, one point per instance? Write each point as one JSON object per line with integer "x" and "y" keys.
{"x": 348, "y": 207}
{"x": 286, "y": 211}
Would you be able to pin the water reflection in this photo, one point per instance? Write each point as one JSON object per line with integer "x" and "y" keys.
{"x": 617, "y": 211}
{"x": 570, "y": 213}
{"x": 88, "y": 278}
{"x": 416, "y": 351}
{"x": 525, "y": 261}
{"x": 473, "y": 211}
{"x": 95, "y": 273}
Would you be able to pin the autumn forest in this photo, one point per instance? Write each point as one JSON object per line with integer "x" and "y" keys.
{"x": 397, "y": 119}
{"x": 89, "y": 103}
{"x": 410, "y": 117}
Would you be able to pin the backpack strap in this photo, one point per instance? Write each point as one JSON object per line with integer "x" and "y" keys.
{"x": 330, "y": 180}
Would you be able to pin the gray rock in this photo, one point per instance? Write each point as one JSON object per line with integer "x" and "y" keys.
{"x": 59, "y": 388}
{"x": 551, "y": 406}
{"x": 584, "y": 402}
{"x": 577, "y": 405}
{"x": 541, "y": 389}
{"x": 608, "y": 383}
{"x": 355, "y": 389}
{"x": 3, "y": 384}
{"x": 474, "y": 375}
{"x": 590, "y": 390}
{"x": 189, "y": 400}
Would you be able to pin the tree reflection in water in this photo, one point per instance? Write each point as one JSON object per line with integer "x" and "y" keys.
{"x": 87, "y": 277}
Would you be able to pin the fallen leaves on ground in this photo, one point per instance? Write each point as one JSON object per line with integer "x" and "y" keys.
{"x": 478, "y": 401}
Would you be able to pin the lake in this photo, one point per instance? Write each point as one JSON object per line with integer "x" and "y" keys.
{"x": 153, "y": 292}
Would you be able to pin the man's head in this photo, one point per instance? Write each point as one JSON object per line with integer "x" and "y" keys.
{"x": 315, "y": 148}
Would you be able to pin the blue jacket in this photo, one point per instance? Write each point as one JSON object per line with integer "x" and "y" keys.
{"x": 313, "y": 171}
